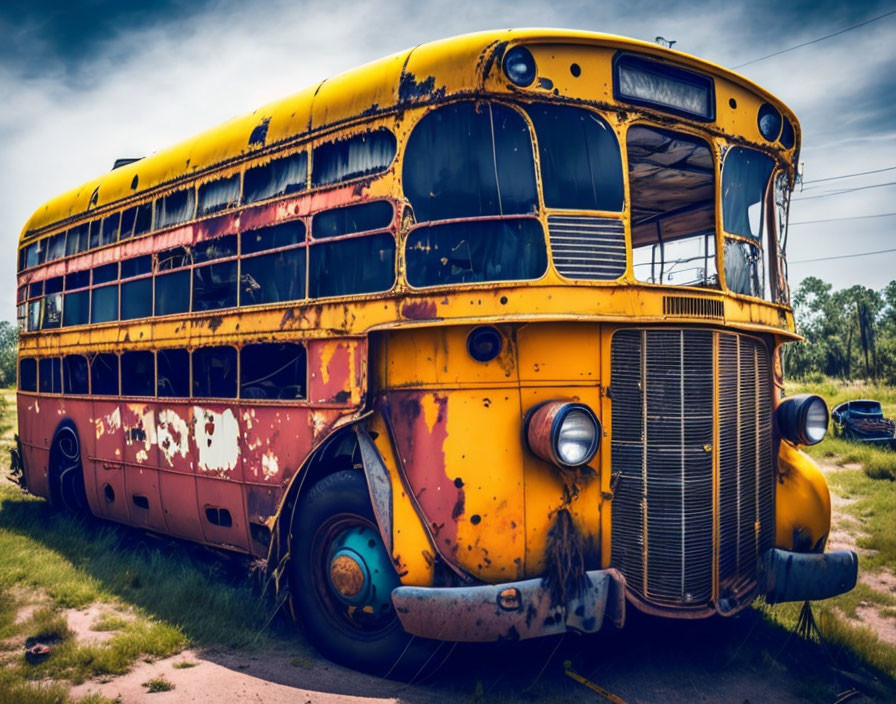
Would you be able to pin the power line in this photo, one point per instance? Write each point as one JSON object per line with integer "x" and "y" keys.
{"x": 847, "y": 190}
{"x": 860, "y": 173}
{"x": 854, "y": 217}
{"x": 842, "y": 256}
{"x": 820, "y": 39}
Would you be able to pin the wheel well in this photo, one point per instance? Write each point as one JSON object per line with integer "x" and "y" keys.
{"x": 54, "y": 459}
{"x": 338, "y": 452}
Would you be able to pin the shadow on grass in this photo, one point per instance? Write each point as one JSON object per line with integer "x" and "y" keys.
{"x": 217, "y": 602}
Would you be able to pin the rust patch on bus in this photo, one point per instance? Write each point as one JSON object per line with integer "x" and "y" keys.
{"x": 410, "y": 89}
{"x": 419, "y": 310}
{"x": 419, "y": 421}
{"x": 260, "y": 133}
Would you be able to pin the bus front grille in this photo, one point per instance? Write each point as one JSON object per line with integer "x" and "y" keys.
{"x": 588, "y": 248}
{"x": 693, "y": 505}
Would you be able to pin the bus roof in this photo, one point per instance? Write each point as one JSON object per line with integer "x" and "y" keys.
{"x": 434, "y": 70}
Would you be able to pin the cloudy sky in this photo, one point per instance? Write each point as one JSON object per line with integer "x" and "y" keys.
{"x": 82, "y": 83}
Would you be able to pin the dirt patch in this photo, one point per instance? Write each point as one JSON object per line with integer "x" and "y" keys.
{"x": 884, "y": 581}
{"x": 883, "y": 626}
{"x": 82, "y": 622}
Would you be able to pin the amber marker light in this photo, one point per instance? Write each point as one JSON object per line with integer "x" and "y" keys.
{"x": 563, "y": 433}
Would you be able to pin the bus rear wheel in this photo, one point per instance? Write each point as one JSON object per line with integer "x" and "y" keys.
{"x": 67, "y": 489}
{"x": 341, "y": 582}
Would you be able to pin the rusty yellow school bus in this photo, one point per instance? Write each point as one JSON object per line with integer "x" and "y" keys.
{"x": 477, "y": 342}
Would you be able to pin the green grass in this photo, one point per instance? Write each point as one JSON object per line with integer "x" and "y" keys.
{"x": 158, "y": 684}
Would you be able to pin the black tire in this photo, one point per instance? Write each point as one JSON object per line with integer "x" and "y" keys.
{"x": 337, "y": 502}
{"x": 66, "y": 474}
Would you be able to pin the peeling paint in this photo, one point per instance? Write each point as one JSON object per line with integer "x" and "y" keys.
{"x": 269, "y": 465}
{"x": 173, "y": 435}
{"x": 217, "y": 440}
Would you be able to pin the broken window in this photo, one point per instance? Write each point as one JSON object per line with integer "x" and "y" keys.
{"x": 214, "y": 372}
{"x": 471, "y": 252}
{"x": 78, "y": 238}
{"x": 175, "y": 208}
{"x": 138, "y": 373}
{"x": 143, "y": 219}
{"x": 278, "y": 177}
{"x": 581, "y": 167}
{"x": 74, "y": 374}
{"x": 173, "y": 373}
{"x": 470, "y": 159}
{"x": 218, "y": 248}
{"x": 50, "y": 375}
{"x": 358, "y": 155}
{"x": 172, "y": 290}
{"x": 357, "y": 265}
{"x": 273, "y": 371}
{"x": 214, "y": 286}
{"x": 34, "y": 310}
{"x": 672, "y": 186}
{"x": 104, "y": 374}
{"x": 28, "y": 374}
{"x": 52, "y": 313}
{"x": 271, "y": 278}
{"x": 355, "y": 218}
{"x": 745, "y": 180}
{"x": 218, "y": 195}
{"x": 274, "y": 237}
{"x": 104, "y": 304}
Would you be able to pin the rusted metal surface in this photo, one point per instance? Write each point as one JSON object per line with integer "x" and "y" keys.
{"x": 470, "y": 614}
{"x": 378, "y": 484}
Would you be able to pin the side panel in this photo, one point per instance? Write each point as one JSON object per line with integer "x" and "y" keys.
{"x": 108, "y": 461}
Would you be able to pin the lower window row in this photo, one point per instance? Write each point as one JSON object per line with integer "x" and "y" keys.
{"x": 254, "y": 371}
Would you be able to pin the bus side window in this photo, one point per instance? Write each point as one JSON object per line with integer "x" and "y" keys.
{"x": 138, "y": 373}
{"x": 104, "y": 302}
{"x": 136, "y": 296}
{"x": 357, "y": 265}
{"x": 110, "y": 229}
{"x": 470, "y": 160}
{"x": 143, "y": 219}
{"x": 53, "y": 303}
{"x": 50, "y": 375}
{"x": 214, "y": 285}
{"x": 355, "y": 218}
{"x": 28, "y": 374}
{"x": 358, "y": 155}
{"x": 214, "y": 372}
{"x": 173, "y": 290}
{"x": 273, "y": 371}
{"x": 74, "y": 374}
{"x": 278, "y": 276}
{"x": 76, "y": 308}
{"x": 221, "y": 194}
{"x": 175, "y": 208}
{"x": 56, "y": 247}
{"x": 104, "y": 374}
{"x": 278, "y": 177}
{"x": 173, "y": 373}
{"x": 127, "y": 223}
{"x": 77, "y": 239}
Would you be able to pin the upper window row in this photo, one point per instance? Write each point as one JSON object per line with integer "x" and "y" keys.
{"x": 332, "y": 162}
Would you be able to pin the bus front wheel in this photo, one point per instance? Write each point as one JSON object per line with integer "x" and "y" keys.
{"x": 341, "y": 582}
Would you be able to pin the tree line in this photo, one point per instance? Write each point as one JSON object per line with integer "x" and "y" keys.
{"x": 850, "y": 333}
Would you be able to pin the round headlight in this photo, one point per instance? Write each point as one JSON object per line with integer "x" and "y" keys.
{"x": 484, "y": 343}
{"x": 519, "y": 65}
{"x": 566, "y": 434}
{"x": 803, "y": 419}
{"x": 769, "y": 122}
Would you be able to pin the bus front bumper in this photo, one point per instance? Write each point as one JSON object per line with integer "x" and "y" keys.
{"x": 798, "y": 576}
{"x": 510, "y": 611}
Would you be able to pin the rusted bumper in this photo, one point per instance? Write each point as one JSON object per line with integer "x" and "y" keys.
{"x": 797, "y": 576}
{"x": 494, "y": 612}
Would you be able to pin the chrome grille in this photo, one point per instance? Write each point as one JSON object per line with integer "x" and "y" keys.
{"x": 589, "y": 248}
{"x": 663, "y": 455}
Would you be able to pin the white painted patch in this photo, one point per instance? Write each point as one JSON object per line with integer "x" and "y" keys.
{"x": 217, "y": 439}
{"x": 113, "y": 421}
{"x": 318, "y": 422}
{"x": 142, "y": 456}
{"x": 269, "y": 464}
{"x": 173, "y": 435}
